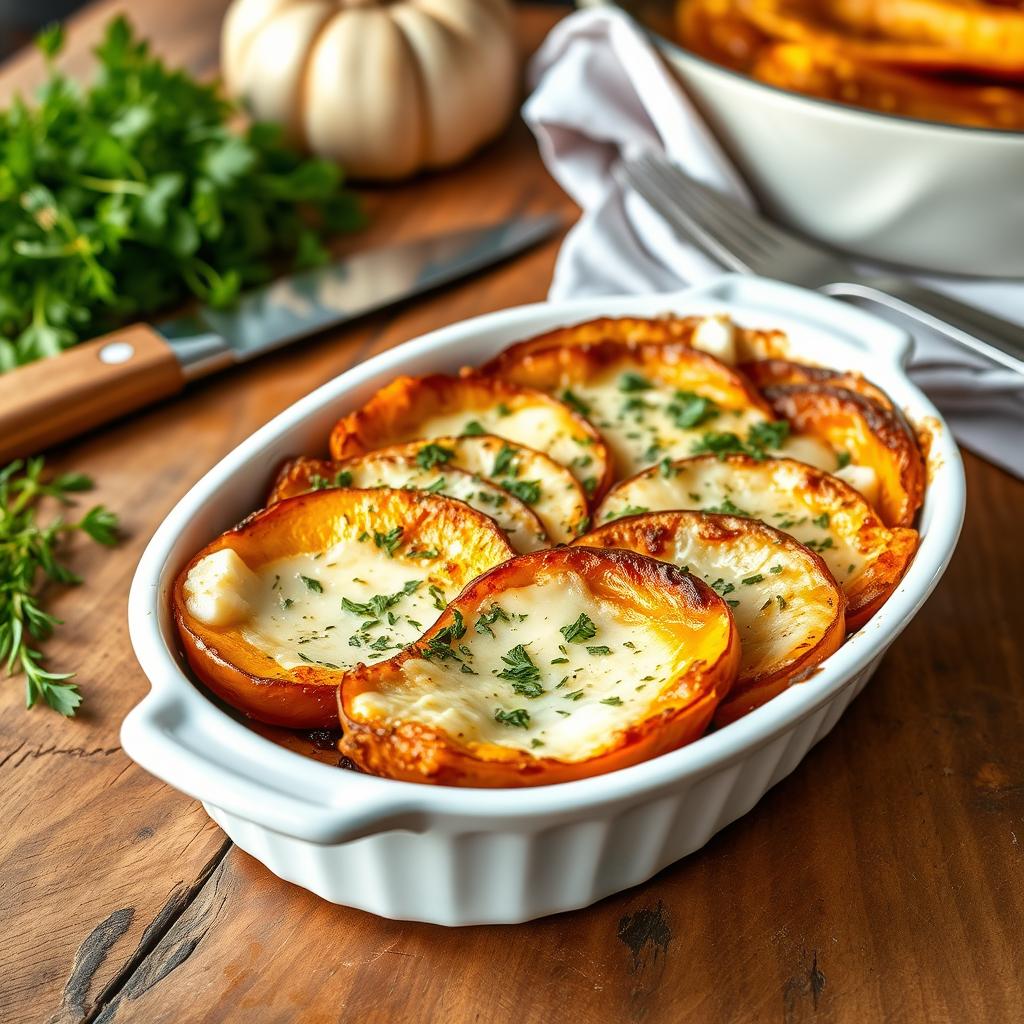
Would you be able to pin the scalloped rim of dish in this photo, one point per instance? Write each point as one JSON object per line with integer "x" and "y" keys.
{"x": 178, "y": 734}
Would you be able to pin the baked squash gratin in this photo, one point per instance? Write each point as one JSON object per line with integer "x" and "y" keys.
{"x": 585, "y": 553}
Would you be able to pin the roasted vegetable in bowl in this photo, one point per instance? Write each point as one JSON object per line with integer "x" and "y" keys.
{"x": 462, "y": 596}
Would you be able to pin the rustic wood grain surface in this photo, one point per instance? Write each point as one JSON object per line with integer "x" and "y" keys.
{"x": 883, "y": 881}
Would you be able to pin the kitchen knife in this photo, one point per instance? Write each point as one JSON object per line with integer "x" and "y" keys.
{"x": 55, "y": 399}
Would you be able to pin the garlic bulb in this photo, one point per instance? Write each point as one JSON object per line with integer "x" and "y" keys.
{"x": 385, "y": 88}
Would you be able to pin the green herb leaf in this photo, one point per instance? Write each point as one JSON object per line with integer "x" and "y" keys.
{"x": 311, "y": 584}
{"x": 519, "y": 719}
{"x": 582, "y": 629}
{"x": 30, "y": 559}
{"x": 527, "y": 491}
{"x": 431, "y": 455}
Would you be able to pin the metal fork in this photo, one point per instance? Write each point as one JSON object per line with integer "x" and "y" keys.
{"x": 744, "y": 241}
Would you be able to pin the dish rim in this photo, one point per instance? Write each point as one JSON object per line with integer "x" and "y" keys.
{"x": 176, "y": 732}
{"x": 676, "y": 49}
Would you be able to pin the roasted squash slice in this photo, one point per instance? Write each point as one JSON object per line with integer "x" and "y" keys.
{"x": 523, "y": 528}
{"x": 772, "y": 373}
{"x": 649, "y": 401}
{"x": 978, "y": 37}
{"x": 553, "y": 666}
{"x": 717, "y": 335}
{"x": 871, "y": 437}
{"x": 789, "y": 610}
{"x": 551, "y": 491}
{"x": 423, "y": 408}
{"x": 274, "y": 613}
{"x": 829, "y": 517}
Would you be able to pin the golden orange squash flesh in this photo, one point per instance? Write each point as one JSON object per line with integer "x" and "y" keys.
{"x": 641, "y": 398}
{"x": 871, "y": 436}
{"x": 553, "y": 666}
{"x": 829, "y": 517}
{"x": 422, "y": 408}
{"x": 905, "y": 57}
{"x": 789, "y": 610}
{"x": 261, "y": 610}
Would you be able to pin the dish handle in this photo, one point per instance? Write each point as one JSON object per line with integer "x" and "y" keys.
{"x": 176, "y": 743}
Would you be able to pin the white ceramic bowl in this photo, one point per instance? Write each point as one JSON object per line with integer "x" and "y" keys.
{"x": 467, "y": 856}
{"x": 926, "y": 195}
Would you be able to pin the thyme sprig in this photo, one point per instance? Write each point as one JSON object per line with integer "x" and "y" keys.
{"x": 30, "y": 551}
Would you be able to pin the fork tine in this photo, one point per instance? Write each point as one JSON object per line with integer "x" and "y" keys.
{"x": 718, "y": 214}
{"x": 667, "y": 206}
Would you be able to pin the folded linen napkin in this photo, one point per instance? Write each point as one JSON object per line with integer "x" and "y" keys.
{"x": 601, "y": 95}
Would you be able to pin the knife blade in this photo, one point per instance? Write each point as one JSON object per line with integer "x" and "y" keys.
{"x": 52, "y": 400}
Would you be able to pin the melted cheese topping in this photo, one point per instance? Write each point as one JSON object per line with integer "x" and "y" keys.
{"x": 352, "y": 604}
{"x": 644, "y": 421}
{"x": 716, "y": 335}
{"x": 560, "y": 505}
{"x": 774, "y": 496}
{"x": 778, "y": 598}
{"x": 539, "y": 426}
{"x": 558, "y": 698}
{"x": 813, "y": 451}
{"x": 220, "y": 589}
{"x": 509, "y": 513}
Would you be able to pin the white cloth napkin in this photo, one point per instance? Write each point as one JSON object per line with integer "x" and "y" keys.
{"x": 601, "y": 95}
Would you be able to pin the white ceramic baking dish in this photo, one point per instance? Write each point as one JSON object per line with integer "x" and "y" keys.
{"x": 873, "y": 184}
{"x": 466, "y": 856}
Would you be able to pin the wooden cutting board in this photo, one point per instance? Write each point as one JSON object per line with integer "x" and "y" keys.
{"x": 884, "y": 880}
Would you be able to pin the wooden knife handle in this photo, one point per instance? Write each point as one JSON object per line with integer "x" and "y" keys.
{"x": 55, "y": 399}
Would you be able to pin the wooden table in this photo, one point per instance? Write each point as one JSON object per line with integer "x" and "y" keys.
{"x": 884, "y": 880}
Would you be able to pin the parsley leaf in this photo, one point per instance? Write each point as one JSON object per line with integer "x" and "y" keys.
{"x": 519, "y": 719}
{"x": 431, "y": 455}
{"x": 582, "y": 629}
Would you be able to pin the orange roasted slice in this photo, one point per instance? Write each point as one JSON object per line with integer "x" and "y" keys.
{"x": 521, "y": 525}
{"x": 423, "y": 408}
{"x": 788, "y": 608}
{"x": 551, "y": 491}
{"x": 827, "y": 516}
{"x": 554, "y": 666}
{"x": 275, "y": 613}
{"x": 649, "y": 402}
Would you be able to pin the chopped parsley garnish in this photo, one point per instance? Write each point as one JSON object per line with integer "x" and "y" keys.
{"x": 843, "y": 459}
{"x": 575, "y": 403}
{"x": 821, "y": 521}
{"x": 324, "y": 664}
{"x": 631, "y": 382}
{"x": 522, "y": 672}
{"x": 819, "y": 545}
{"x": 629, "y": 510}
{"x": 431, "y": 455}
{"x": 771, "y": 435}
{"x": 601, "y": 649}
{"x": 590, "y": 485}
{"x": 614, "y": 702}
{"x": 575, "y": 695}
{"x": 503, "y": 409}
{"x": 728, "y": 508}
{"x": 343, "y": 478}
{"x": 379, "y": 603}
{"x": 438, "y": 595}
{"x": 487, "y": 619}
{"x": 760, "y": 438}
{"x": 749, "y": 581}
{"x": 722, "y": 588}
{"x": 504, "y": 463}
{"x": 437, "y": 486}
{"x": 474, "y": 428}
{"x": 782, "y": 602}
{"x": 688, "y": 409}
{"x": 582, "y": 629}
{"x": 389, "y": 541}
{"x": 666, "y": 469}
{"x": 311, "y": 584}
{"x": 519, "y": 719}
{"x": 775, "y": 570}
{"x": 535, "y": 743}
{"x": 527, "y": 491}
{"x": 439, "y": 646}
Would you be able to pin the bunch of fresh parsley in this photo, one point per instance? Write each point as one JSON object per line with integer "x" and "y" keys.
{"x": 126, "y": 197}
{"x": 30, "y": 552}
